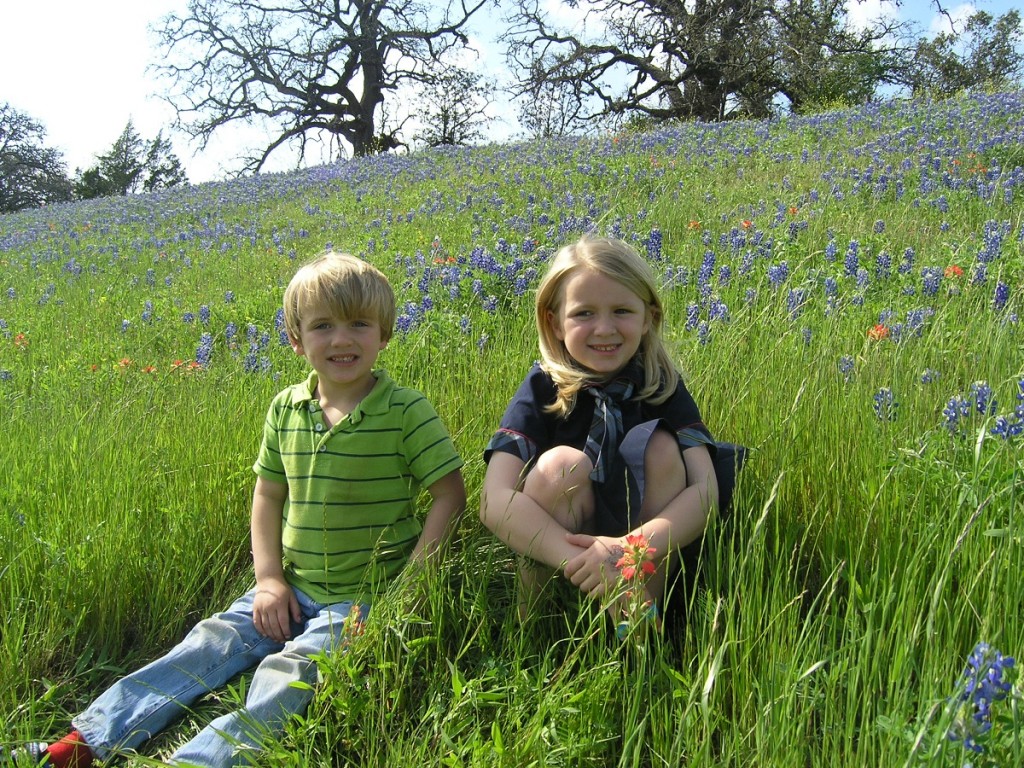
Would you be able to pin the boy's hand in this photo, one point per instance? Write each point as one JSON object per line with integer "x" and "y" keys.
{"x": 594, "y": 571}
{"x": 274, "y": 609}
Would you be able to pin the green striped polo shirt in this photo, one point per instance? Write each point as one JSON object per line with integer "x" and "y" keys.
{"x": 349, "y": 520}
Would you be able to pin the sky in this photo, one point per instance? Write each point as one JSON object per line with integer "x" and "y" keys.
{"x": 83, "y": 69}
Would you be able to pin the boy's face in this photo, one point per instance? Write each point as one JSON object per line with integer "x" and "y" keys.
{"x": 342, "y": 351}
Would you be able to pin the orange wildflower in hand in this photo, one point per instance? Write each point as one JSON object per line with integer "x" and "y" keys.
{"x": 878, "y": 332}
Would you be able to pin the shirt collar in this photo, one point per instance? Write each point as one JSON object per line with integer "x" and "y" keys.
{"x": 378, "y": 400}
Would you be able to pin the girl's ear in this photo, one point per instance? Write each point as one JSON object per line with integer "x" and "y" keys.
{"x": 556, "y": 325}
{"x": 651, "y": 318}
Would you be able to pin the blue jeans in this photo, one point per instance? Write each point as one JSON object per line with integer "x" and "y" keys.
{"x": 217, "y": 649}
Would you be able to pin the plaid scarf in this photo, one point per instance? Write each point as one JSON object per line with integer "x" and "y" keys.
{"x": 606, "y": 426}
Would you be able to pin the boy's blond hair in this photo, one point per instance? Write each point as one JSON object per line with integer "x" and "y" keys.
{"x": 345, "y": 285}
{"x": 618, "y": 261}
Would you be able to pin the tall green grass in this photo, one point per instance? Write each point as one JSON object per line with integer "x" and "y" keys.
{"x": 836, "y": 603}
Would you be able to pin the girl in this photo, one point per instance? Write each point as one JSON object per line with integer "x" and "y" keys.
{"x": 602, "y": 439}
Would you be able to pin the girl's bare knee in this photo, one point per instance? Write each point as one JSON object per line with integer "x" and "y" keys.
{"x": 663, "y": 459}
{"x": 560, "y": 483}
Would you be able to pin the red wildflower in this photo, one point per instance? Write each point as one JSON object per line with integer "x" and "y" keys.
{"x": 793, "y": 210}
{"x": 20, "y": 341}
{"x": 953, "y": 270}
{"x": 149, "y": 369}
{"x": 746, "y": 224}
{"x": 878, "y": 332}
{"x": 124, "y": 362}
{"x": 694, "y": 224}
{"x": 636, "y": 555}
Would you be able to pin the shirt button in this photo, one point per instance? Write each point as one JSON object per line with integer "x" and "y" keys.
{"x": 319, "y": 427}
{"x": 323, "y": 448}
{"x": 312, "y": 407}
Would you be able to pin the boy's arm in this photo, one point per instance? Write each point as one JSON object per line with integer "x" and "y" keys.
{"x": 448, "y": 500}
{"x": 275, "y": 605}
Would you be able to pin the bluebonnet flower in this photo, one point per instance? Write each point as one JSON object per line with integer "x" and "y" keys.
{"x": 981, "y": 397}
{"x": 147, "y": 312}
{"x": 831, "y": 287}
{"x": 718, "y": 310}
{"x": 852, "y": 261}
{"x": 1002, "y": 295}
{"x": 750, "y": 296}
{"x": 932, "y": 277}
{"x": 464, "y": 324}
{"x": 980, "y": 276}
{"x": 10, "y": 293}
{"x": 929, "y": 376}
{"x": 230, "y": 331}
{"x": 482, "y": 341}
{"x": 204, "y": 314}
{"x": 778, "y": 273}
{"x": 5, "y": 375}
{"x": 879, "y": 227}
{"x": 830, "y": 250}
{"x": 205, "y": 349}
{"x": 229, "y": 296}
{"x": 490, "y": 304}
{"x": 125, "y": 325}
{"x": 883, "y": 263}
{"x": 692, "y": 316}
{"x": 885, "y": 404}
{"x": 707, "y": 269}
{"x": 150, "y": 277}
{"x": 168, "y": 281}
{"x": 807, "y": 334}
{"x": 795, "y": 302}
{"x": 956, "y": 409}
{"x": 653, "y": 244}
{"x": 1007, "y": 428}
{"x": 845, "y": 365}
{"x": 703, "y": 333}
{"x": 907, "y": 262}
{"x": 983, "y": 683}
{"x": 724, "y": 274}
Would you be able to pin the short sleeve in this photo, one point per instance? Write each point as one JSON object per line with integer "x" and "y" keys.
{"x": 524, "y": 430}
{"x": 680, "y": 412}
{"x": 428, "y": 448}
{"x": 269, "y": 464}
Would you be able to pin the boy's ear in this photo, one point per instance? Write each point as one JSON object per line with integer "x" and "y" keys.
{"x": 296, "y": 345}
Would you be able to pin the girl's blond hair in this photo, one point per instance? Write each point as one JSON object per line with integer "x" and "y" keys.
{"x": 620, "y": 262}
{"x": 345, "y": 285}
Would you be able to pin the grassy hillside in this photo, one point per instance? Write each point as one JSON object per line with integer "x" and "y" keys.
{"x": 843, "y": 294}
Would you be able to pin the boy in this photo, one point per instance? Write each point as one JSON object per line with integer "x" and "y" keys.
{"x": 333, "y": 523}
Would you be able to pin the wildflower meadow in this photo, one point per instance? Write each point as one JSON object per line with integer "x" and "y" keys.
{"x": 843, "y": 294}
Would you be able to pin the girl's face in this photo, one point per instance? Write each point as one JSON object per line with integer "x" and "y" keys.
{"x": 600, "y": 321}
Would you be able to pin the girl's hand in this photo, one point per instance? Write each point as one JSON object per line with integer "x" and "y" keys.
{"x": 274, "y": 608}
{"x": 594, "y": 571}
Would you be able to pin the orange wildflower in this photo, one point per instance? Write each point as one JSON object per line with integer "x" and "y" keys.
{"x": 694, "y": 224}
{"x": 953, "y": 270}
{"x": 20, "y": 341}
{"x": 878, "y": 332}
{"x": 746, "y": 223}
{"x": 149, "y": 369}
{"x": 124, "y": 362}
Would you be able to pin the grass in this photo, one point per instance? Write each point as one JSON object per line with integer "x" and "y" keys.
{"x": 837, "y": 603}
